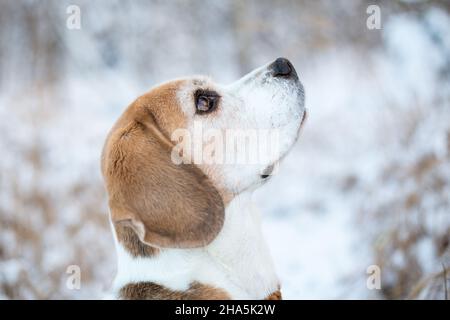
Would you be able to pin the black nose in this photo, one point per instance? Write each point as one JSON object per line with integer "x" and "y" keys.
{"x": 282, "y": 67}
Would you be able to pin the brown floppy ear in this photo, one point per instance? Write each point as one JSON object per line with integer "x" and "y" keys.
{"x": 167, "y": 205}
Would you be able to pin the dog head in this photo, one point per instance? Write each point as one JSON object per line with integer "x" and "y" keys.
{"x": 182, "y": 151}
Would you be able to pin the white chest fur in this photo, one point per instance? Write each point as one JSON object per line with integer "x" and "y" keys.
{"x": 238, "y": 260}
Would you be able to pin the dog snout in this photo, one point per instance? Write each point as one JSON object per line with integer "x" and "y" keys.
{"x": 282, "y": 67}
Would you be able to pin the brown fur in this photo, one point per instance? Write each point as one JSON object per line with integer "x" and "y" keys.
{"x": 166, "y": 205}
{"x": 152, "y": 291}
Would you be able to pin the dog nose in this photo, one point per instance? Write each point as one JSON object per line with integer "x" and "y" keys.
{"x": 282, "y": 67}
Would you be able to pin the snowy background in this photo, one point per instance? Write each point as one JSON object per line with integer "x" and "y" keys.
{"x": 368, "y": 183}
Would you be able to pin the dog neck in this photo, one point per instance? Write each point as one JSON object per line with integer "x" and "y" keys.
{"x": 236, "y": 262}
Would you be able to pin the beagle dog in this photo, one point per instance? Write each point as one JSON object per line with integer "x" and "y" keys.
{"x": 184, "y": 228}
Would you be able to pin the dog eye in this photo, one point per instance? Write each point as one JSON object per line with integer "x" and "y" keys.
{"x": 205, "y": 101}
